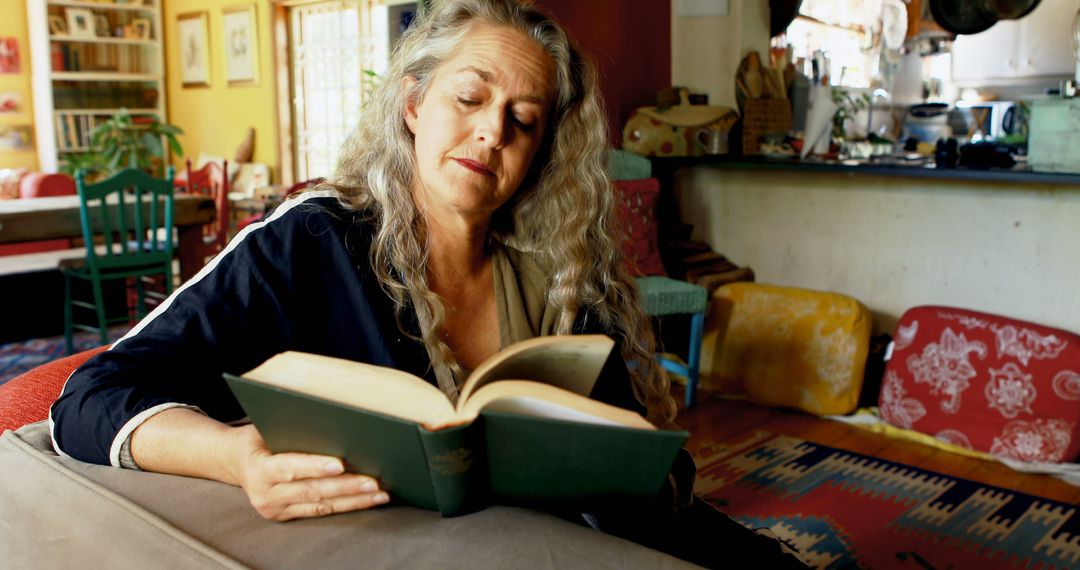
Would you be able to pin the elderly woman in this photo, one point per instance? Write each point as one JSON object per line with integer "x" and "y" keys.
{"x": 470, "y": 210}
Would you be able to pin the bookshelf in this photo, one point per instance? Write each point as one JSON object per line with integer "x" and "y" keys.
{"x": 89, "y": 60}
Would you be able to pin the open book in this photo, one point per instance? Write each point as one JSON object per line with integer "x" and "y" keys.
{"x": 523, "y": 429}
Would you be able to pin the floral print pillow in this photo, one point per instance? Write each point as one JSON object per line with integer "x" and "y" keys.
{"x": 985, "y": 382}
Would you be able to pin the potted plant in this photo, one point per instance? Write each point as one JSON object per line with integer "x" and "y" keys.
{"x": 91, "y": 163}
{"x": 124, "y": 141}
{"x": 847, "y": 106}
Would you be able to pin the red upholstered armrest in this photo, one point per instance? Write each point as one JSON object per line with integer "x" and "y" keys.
{"x": 26, "y": 398}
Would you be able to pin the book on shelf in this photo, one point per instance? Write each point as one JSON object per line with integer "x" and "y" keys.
{"x": 86, "y": 132}
{"x": 523, "y": 430}
{"x": 57, "y": 57}
{"x": 72, "y": 141}
{"x": 73, "y": 60}
{"x": 61, "y": 135}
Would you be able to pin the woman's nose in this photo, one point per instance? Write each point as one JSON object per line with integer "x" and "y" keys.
{"x": 491, "y": 128}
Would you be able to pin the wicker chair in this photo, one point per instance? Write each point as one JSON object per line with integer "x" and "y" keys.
{"x": 663, "y": 296}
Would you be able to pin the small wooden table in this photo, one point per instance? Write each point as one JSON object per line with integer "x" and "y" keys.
{"x": 58, "y": 217}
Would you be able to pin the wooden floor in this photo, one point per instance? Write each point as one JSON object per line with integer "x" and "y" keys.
{"x": 714, "y": 420}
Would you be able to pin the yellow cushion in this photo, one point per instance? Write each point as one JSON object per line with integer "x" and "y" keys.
{"x": 782, "y": 346}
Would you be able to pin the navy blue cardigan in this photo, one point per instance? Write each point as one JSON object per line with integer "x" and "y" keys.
{"x": 298, "y": 280}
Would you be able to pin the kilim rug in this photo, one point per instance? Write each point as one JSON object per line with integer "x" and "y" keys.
{"x": 18, "y": 357}
{"x": 846, "y": 510}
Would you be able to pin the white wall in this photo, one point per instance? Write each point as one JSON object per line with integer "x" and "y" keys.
{"x": 706, "y": 51}
{"x": 897, "y": 242}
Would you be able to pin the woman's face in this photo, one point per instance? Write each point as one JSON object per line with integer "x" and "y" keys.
{"x": 480, "y": 122}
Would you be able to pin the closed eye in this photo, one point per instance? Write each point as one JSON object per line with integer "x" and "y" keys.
{"x": 467, "y": 102}
{"x": 525, "y": 124}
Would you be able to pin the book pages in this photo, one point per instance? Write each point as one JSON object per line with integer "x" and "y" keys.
{"x": 379, "y": 389}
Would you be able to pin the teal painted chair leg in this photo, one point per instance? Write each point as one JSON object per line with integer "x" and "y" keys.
{"x": 168, "y": 278}
{"x": 672, "y": 366}
{"x": 69, "y": 340}
{"x": 697, "y": 331}
{"x": 693, "y": 362}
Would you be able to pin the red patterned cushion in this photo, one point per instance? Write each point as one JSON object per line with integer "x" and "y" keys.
{"x": 639, "y": 198}
{"x": 26, "y": 398}
{"x": 985, "y": 382}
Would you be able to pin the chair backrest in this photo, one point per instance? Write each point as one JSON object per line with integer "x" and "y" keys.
{"x": 212, "y": 179}
{"x": 303, "y": 185}
{"x": 133, "y": 212}
{"x": 40, "y": 184}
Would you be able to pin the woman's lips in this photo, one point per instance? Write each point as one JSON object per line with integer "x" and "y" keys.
{"x": 475, "y": 166}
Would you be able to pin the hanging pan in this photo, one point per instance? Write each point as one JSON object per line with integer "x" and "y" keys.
{"x": 962, "y": 17}
{"x": 974, "y": 16}
{"x": 1009, "y": 9}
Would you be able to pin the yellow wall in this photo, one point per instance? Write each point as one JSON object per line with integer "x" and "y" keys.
{"x": 13, "y": 24}
{"x": 215, "y": 119}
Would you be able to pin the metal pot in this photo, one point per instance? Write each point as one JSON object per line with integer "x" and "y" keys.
{"x": 972, "y": 17}
{"x": 962, "y": 17}
{"x": 781, "y": 14}
{"x": 1009, "y": 9}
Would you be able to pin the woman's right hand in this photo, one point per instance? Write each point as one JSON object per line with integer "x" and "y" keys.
{"x": 286, "y": 486}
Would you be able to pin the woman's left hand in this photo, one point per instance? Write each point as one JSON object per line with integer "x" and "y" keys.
{"x": 286, "y": 486}
{"x": 281, "y": 487}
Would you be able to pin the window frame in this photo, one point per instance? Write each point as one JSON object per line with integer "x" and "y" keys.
{"x": 284, "y": 87}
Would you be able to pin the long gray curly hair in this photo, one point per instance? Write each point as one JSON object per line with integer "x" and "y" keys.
{"x": 563, "y": 213}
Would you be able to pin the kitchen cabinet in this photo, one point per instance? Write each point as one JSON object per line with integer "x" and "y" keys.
{"x": 1039, "y": 45}
{"x": 990, "y": 54}
{"x": 1046, "y": 39}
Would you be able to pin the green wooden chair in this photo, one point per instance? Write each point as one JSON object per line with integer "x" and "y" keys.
{"x": 662, "y": 296}
{"x": 131, "y": 214}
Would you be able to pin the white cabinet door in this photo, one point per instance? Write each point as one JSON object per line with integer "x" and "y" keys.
{"x": 1038, "y": 45}
{"x": 988, "y": 55}
{"x": 1045, "y": 44}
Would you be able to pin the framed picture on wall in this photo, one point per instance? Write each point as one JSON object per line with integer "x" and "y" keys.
{"x": 10, "y": 103}
{"x": 192, "y": 31}
{"x": 80, "y": 23}
{"x": 9, "y": 55}
{"x": 240, "y": 44}
{"x": 16, "y": 138}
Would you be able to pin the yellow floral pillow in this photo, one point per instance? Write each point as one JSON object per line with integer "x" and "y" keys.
{"x": 782, "y": 346}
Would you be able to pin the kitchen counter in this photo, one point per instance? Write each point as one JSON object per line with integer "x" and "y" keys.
{"x": 665, "y": 167}
{"x": 894, "y": 237}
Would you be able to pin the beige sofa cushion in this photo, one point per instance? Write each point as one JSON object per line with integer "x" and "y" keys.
{"x": 58, "y": 512}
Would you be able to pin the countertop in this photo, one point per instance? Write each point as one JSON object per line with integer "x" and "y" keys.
{"x": 1019, "y": 174}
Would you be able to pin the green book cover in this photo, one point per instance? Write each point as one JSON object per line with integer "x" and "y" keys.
{"x": 557, "y": 463}
{"x": 387, "y": 448}
{"x": 515, "y": 442}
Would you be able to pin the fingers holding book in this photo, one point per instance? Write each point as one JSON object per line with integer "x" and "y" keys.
{"x": 327, "y": 496}
{"x": 288, "y": 486}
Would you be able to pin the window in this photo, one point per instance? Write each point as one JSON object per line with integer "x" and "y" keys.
{"x": 848, "y": 32}
{"x": 847, "y": 64}
{"x": 334, "y": 48}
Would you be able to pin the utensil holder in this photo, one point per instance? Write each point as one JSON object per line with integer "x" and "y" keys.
{"x": 762, "y": 117}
